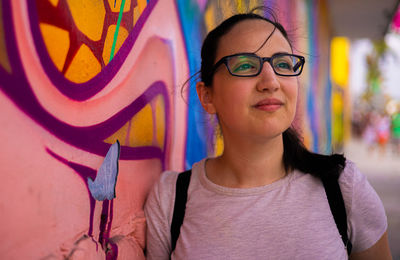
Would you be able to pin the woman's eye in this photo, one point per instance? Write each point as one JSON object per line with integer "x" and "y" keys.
{"x": 244, "y": 67}
{"x": 283, "y": 65}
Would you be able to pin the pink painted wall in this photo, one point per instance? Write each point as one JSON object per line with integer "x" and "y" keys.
{"x": 57, "y": 128}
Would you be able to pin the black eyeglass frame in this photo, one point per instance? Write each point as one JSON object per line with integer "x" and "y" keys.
{"x": 224, "y": 60}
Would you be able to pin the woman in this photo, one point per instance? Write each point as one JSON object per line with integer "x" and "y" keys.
{"x": 263, "y": 197}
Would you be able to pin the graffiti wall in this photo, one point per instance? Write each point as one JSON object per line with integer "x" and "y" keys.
{"x": 93, "y": 109}
{"x": 65, "y": 98}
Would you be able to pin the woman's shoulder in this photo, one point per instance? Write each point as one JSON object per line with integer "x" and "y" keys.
{"x": 165, "y": 185}
{"x": 350, "y": 174}
{"x": 351, "y": 177}
{"x": 366, "y": 215}
{"x": 161, "y": 197}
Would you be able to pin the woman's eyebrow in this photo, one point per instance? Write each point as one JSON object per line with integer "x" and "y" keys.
{"x": 281, "y": 52}
{"x": 277, "y": 53}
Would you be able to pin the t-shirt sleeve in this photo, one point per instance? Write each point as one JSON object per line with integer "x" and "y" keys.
{"x": 367, "y": 220}
{"x": 158, "y": 211}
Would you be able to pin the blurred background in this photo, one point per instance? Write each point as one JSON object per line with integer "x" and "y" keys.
{"x": 366, "y": 97}
{"x": 78, "y": 75}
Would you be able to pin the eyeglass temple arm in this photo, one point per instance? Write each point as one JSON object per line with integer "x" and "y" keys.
{"x": 298, "y": 64}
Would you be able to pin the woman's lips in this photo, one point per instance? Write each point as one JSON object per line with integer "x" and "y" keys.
{"x": 269, "y": 104}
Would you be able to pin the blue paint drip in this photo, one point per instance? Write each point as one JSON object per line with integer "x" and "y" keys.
{"x": 103, "y": 187}
{"x": 193, "y": 27}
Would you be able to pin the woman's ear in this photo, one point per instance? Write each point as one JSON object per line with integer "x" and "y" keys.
{"x": 206, "y": 97}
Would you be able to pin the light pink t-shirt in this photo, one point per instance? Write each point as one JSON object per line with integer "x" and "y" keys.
{"x": 288, "y": 219}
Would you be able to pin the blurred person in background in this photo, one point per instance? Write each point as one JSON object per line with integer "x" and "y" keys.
{"x": 383, "y": 131}
{"x": 369, "y": 132}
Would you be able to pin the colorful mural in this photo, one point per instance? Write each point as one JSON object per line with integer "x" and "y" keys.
{"x": 64, "y": 102}
{"x": 94, "y": 107}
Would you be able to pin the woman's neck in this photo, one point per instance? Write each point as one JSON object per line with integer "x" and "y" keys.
{"x": 246, "y": 164}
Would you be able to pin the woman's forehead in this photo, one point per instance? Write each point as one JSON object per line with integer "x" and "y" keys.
{"x": 249, "y": 35}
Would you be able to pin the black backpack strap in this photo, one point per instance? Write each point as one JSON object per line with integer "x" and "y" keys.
{"x": 336, "y": 203}
{"x": 182, "y": 185}
{"x": 332, "y": 189}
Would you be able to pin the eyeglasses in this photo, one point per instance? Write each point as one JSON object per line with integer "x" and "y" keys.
{"x": 250, "y": 65}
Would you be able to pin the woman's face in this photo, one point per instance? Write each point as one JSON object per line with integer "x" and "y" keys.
{"x": 261, "y": 106}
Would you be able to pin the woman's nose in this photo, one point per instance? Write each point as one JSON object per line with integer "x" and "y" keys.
{"x": 268, "y": 80}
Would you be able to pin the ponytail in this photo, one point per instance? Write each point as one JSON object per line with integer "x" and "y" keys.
{"x": 297, "y": 156}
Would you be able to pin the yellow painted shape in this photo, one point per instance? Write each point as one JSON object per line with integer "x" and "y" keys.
{"x": 88, "y": 16}
{"x": 240, "y": 6}
{"x": 122, "y": 35}
{"x": 54, "y": 2}
{"x": 57, "y": 43}
{"x": 209, "y": 18}
{"x": 219, "y": 145}
{"x": 142, "y": 5}
{"x": 84, "y": 66}
{"x": 4, "y": 62}
{"x": 340, "y": 47}
{"x": 141, "y": 132}
{"x": 337, "y": 117}
{"x": 127, "y": 5}
{"x": 160, "y": 120}
{"x": 337, "y": 103}
{"x": 120, "y": 135}
{"x": 136, "y": 14}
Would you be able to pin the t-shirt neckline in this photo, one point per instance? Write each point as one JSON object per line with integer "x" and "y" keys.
{"x": 199, "y": 169}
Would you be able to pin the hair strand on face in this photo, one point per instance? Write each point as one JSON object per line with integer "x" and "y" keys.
{"x": 266, "y": 40}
